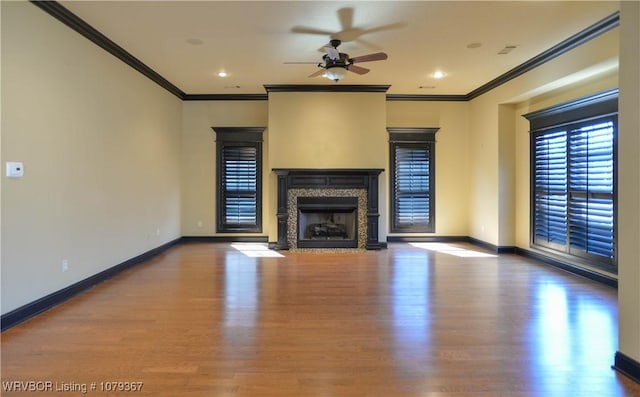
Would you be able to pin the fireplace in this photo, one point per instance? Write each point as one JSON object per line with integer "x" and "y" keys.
{"x": 327, "y": 222}
{"x": 327, "y": 208}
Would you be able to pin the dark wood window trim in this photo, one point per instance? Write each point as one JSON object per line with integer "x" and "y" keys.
{"x": 562, "y": 121}
{"x": 244, "y": 144}
{"x": 405, "y": 143}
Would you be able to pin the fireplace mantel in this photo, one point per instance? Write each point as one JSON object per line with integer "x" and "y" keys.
{"x": 331, "y": 178}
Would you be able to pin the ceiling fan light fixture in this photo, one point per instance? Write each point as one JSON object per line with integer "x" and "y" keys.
{"x": 335, "y": 73}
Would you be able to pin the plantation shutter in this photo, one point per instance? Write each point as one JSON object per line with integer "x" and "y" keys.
{"x": 573, "y": 201}
{"x": 591, "y": 215}
{"x": 240, "y": 185}
{"x": 412, "y": 154}
{"x": 239, "y": 179}
{"x": 550, "y": 197}
{"x": 412, "y": 186}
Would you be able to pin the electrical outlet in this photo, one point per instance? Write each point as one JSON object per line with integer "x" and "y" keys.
{"x": 199, "y": 223}
{"x": 157, "y": 231}
{"x": 65, "y": 265}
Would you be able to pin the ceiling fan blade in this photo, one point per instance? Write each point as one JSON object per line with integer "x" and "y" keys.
{"x": 300, "y": 63}
{"x": 303, "y": 29}
{"x": 320, "y": 72}
{"x": 378, "y": 56}
{"x": 383, "y": 28}
{"x": 357, "y": 69}
{"x": 346, "y": 17}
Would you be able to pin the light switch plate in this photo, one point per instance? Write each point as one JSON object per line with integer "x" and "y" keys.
{"x": 15, "y": 169}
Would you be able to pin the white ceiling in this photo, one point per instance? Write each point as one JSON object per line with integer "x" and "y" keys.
{"x": 189, "y": 42}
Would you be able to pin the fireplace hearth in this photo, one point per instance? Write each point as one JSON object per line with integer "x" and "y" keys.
{"x": 327, "y": 222}
{"x": 327, "y": 208}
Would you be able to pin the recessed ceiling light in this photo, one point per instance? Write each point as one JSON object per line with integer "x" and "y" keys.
{"x": 474, "y": 45}
{"x": 427, "y": 87}
{"x": 222, "y": 74}
{"x": 195, "y": 41}
{"x": 438, "y": 74}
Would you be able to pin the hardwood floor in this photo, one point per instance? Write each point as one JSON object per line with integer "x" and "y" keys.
{"x": 426, "y": 320}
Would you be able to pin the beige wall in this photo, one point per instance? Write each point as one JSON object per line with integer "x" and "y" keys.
{"x": 100, "y": 146}
{"x": 482, "y": 156}
{"x": 302, "y": 132}
{"x": 452, "y": 160}
{"x": 199, "y": 157}
{"x": 326, "y": 130}
{"x": 117, "y": 166}
{"x": 303, "y": 129}
{"x": 629, "y": 186}
{"x": 577, "y": 90}
{"x": 506, "y": 175}
{"x": 484, "y": 159}
{"x": 499, "y": 194}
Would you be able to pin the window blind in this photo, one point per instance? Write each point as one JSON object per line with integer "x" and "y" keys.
{"x": 412, "y": 179}
{"x": 591, "y": 226}
{"x": 550, "y": 196}
{"x": 412, "y": 189}
{"x": 573, "y": 172}
{"x": 240, "y": 193}
{"x": 238, "y": 179}
{"x": 574, "y": 189}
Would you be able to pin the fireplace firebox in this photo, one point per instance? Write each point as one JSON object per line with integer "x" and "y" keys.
{"x": 327, "y": 222}
{"x": 327, "y": 208}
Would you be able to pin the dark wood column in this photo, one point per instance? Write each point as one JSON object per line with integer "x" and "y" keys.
{"x": 373, "y": 213}
{"x": 282, "y": 213}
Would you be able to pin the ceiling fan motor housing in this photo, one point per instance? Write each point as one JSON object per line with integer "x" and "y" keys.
{"x": 336, "y": 64}
{"x": 342, "y": 61}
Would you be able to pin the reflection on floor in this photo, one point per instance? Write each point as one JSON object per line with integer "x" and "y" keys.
{"x": 411, "y": 321}
{"x": 255, "y": 250}
{"x": 452, "y": 249}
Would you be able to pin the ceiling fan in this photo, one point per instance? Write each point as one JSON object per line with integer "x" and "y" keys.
{"x": 337, "y": 64}
{"x": 349, "y": 32}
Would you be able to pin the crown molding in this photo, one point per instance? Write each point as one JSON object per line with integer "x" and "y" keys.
{"x": 427, "y": 98}
{"x": 593, "y": 31}
{"x": 225, "y": 97}
{"x": 65, "y": 16}
{"x": 325, "y": 88}
{"x": 70, "y": 19}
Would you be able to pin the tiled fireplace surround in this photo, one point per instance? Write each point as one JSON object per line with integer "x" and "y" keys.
{"x": 306, "y": 182}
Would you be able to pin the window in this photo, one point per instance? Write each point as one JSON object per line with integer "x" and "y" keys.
{"x": 239, "y": 180}
{"x": 412, "y": 184}
{"x": 573, "y": 174}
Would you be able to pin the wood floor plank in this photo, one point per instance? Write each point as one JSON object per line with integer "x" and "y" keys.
{"x": 413, "y": 320}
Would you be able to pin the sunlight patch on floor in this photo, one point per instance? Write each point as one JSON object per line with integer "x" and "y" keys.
{"x": 452, "y": 250}
{"x": 256, "y": 250}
